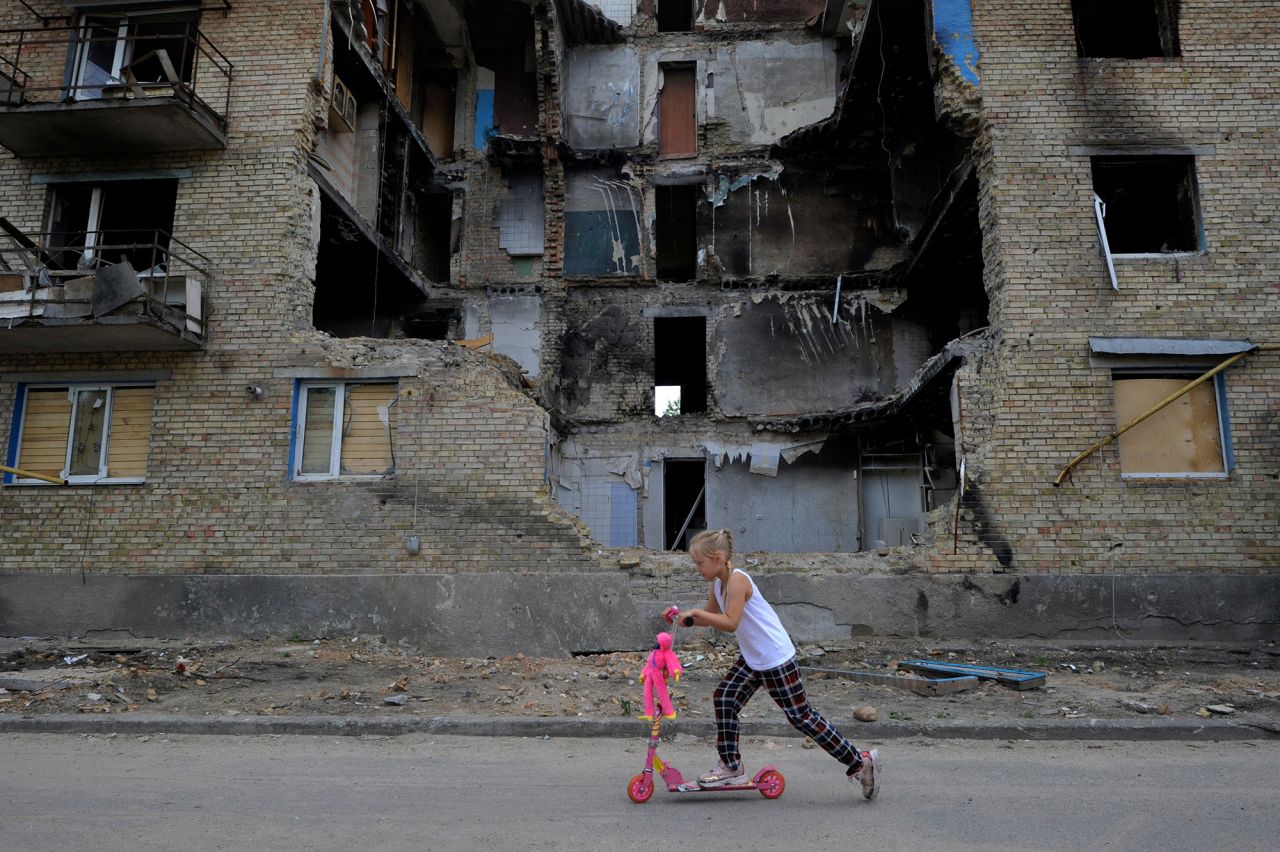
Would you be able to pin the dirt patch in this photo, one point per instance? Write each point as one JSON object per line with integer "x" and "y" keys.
{"x": 363, "y": 675}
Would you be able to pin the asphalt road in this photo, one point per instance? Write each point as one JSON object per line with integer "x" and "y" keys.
{"x": 75, "y": 792}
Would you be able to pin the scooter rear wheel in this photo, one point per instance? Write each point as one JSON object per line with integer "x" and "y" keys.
{"x": 771, "y": 784}
{"x": 640, "y": 789}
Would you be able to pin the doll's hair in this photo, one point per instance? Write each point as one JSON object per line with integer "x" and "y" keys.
{"x": 709, "y": 540}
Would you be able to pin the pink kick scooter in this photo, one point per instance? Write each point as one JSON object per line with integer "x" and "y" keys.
{"x": 768, "y": 781}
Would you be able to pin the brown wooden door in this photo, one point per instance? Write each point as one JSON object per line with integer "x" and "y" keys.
{"x": 440, "y": 100}
{"x": 677, "y": 112}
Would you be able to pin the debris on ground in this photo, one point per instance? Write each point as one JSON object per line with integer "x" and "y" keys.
{"x": 366, "y": 675}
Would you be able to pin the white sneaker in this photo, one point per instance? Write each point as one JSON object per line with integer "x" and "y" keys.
{"x": 720, "y": 776}
{"x": 868, "y": 773}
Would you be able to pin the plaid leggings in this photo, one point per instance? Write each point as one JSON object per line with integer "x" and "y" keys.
{"x": 787, "y": 689}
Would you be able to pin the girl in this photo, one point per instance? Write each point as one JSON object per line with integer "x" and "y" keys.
{"x": 735, "y": 605}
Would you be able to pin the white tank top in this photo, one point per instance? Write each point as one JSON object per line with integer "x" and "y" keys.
{"x": 762, "y": 639}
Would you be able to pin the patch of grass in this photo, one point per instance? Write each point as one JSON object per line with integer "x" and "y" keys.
{"x": 900, "y": 717}
{"x": 1027, "y": 714}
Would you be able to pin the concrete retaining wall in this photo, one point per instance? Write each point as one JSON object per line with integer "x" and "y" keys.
{"x": 560, "y": 614}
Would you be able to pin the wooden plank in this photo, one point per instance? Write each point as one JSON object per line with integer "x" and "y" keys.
{"x": 1014, "y": 678}
{"x": 1182, "y": 438}
{"x": 918, "y": 685}
{"x": 46, "y": 420}
{"x": 366, "y": 440}
{"x": 130, "y": 434}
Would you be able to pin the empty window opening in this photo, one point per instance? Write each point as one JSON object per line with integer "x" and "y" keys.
{"x": 93, "y": 224}
{"x": 152, "y": 49}
{"x": 344, "y": 429}
{"x": 675, "y": 16}
{"x": 434, "y": 324}
{"x": 84, "y": 434}
{"x": 680, "y": 364}
{"x": 1150, "y": 203}
{"x": 1187, "y": 438}
{"x": 677, "y": 111}
{"x": 684, "y": 484}
{"x": 675, "y": 232}
{"x": 1126, "y": 29}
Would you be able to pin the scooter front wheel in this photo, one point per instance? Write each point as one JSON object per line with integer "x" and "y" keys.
{"x": 771, "y": 784}
{"x": 640, "y": 789}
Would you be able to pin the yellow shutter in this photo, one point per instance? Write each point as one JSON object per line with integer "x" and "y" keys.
{"x": 46, "y": 420}
{"x": 367, "y": 429}
{"x": 1183, "y": 437}
{"x": 130, "y": 432}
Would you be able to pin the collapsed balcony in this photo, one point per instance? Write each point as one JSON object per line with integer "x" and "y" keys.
{"x": 113, "y": 291}
{"x": 113, "y": 84}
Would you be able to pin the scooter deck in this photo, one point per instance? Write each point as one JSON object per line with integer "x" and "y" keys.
{"x": 695, "y": 787}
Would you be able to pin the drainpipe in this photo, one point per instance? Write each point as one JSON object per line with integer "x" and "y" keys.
{"x": 1066, "y": 471}
{"x": 26, "y": 474}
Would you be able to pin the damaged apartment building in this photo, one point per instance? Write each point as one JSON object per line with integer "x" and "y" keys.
{"x": 368, "y": 314}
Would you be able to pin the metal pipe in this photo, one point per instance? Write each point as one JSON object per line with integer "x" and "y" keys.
{"x": 1266, "y": 347}
{"x": 26, "y": 474}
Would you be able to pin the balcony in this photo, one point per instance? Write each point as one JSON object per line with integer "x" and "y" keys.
{"x": 101, "y": 292}
{"x": 112, "y": 85}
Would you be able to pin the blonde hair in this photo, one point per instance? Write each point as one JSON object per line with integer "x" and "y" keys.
{"x": 709, "y": 540}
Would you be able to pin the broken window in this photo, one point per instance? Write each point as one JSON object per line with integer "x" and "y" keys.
{"x": 1126, "y": 29}
{"x": 680, "y": 365}
{"x": 675, "y": 16}
{"x": 93, "y": 224}
{"x": 1189, "y": 437}
{"x": 684, "y": 491}
{"x": 1150, "y": 203}
{"x": 344, "y": 429}
{"x": 85, "y": 433}
{"x": 675, "y": 232}
{"x": 147, "y": 47}
{"x": 677, "y": 111}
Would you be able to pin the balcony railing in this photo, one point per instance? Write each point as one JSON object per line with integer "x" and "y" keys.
{"x": 41, "y": 89}
{"x": 101, "y": 291}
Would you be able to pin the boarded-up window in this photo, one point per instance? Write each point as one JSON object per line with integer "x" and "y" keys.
{"x": 1182, "y": 439}
{"x": 345, "y": 429}
{"x": 677, "y": 112}
{"x": 86, "y": 434}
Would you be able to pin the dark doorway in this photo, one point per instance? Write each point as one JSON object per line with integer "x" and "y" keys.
{"x": 675, "y": 230}
{"x": 675, "y": 16}
{"x": 680, "y": 361}
{"x": 684, "y": 483}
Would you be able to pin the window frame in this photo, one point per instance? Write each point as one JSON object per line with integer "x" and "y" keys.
{"x": 1187, "y": 373}
{"x": 297, "y": 434}
{"x": 73, "y": 389}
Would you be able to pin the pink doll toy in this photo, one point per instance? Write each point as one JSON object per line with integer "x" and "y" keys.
{"x": 662, "y": 663}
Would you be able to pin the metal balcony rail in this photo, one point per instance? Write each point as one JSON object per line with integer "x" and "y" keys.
{"x": 181, "y": 63}
{"x": 151, "y": 267}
